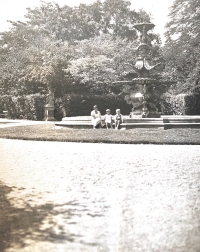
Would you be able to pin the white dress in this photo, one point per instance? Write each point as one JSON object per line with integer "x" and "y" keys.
{"x": 96, "y": 117}
{"x": 108, "y": 118}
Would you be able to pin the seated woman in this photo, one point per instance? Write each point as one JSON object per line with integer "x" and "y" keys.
{"x": 96, "y": 117}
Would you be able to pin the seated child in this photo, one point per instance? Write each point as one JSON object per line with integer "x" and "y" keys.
{"x": 108, "y": 119}
{"x": 118, "y": 119}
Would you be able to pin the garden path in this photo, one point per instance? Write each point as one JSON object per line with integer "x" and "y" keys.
{"x": 99, "y": 197}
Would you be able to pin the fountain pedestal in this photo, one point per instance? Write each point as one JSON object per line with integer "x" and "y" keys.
{"x": 49, "y": 107}
{"x": 49, "y": 113}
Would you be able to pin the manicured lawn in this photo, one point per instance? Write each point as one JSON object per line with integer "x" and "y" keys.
{"x": 48, "y": 132}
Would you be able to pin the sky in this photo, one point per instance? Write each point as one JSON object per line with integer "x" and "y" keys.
{"x": 16, "y": 9}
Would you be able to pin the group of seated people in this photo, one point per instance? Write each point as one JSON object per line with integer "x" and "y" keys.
{"x": 97, "y": 121}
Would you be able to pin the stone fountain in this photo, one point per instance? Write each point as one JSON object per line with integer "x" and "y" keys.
{"x": 144, "y": 92}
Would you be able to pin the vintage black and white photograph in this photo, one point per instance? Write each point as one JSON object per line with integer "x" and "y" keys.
{"x": 100, "y": 126}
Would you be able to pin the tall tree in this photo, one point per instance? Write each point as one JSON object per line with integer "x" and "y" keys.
{"x": 65, "y": 23}
{"x": 31, "y": 61}
{"x": 113, "y": 17}
{"x": 118, "y": 18}
{"x": 182, "y": 49}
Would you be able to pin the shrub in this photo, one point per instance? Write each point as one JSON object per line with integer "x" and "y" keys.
{"x": 182, "y": 104}
{"x": 23, "y": 107}
{"x": 192, "y": 106}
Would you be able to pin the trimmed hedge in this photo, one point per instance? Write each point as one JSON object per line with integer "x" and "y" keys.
{"x": 32, "y": 106}
{"x": 23, "y": 107}
{"x": 80, "y": 105}
{"x": 183, "y": 104}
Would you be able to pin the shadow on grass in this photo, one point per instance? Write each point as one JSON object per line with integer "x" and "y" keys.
{"x": 17, "y": 225}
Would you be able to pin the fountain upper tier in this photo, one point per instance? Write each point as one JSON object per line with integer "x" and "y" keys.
{"x": 143, "y": 66}
{"x": 141, "y": 26}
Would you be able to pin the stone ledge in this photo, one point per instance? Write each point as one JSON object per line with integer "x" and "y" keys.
{"x": 181, "y": 125}
{"x": 165, "y": 122}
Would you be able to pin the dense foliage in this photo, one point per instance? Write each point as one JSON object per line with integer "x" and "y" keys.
{"x": 70, "y": 51}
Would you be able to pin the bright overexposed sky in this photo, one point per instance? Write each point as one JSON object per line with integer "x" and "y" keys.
{"x": 16, "y": 9}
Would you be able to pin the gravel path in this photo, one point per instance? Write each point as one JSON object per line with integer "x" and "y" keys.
{"x": 6, "y": 123}
{"x": 100, "y": 198}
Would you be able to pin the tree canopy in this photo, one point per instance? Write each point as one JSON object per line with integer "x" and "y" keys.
{"x": 63, "y": 47}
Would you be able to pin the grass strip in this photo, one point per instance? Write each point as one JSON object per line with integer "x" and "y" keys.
{"x": 49, "y": 132}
